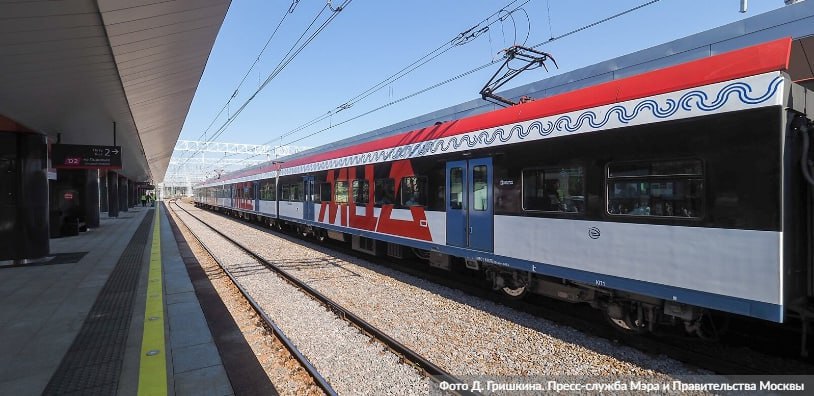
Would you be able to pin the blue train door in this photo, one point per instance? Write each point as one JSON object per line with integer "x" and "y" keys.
{"x": 456, "y": 203}
{"x": 470, "y": 216}
{"x": 308, "y": 205}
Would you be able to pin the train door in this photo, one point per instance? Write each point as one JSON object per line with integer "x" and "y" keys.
{"x": 470, "y": 216}
{"x": 308, "y": 205}
{"x": 256, "y": 197}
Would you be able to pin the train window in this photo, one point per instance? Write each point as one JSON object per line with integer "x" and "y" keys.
{"x": 341, "y": 192}
{"x": 385, "y": 191}
{"x": 285, "y": 192}
{"x": 414, "y": 191}
{"x": 325, "y": 192}
{"x": 554, "y": 189}
{"x": 268, "y": 191}
{"x": 361, "y": 191}
{"x": 296, "y": 192}
{"x": 480, "y": 193}
{"x": 661, "y": 168}
{"x": 657, "y": 189}
{"x": 456, "y": 188}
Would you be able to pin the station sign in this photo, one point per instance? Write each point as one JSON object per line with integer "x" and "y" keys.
{"x": 77, "y": 156}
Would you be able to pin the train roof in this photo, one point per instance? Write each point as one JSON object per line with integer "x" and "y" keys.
{"x": 795, "y": 21}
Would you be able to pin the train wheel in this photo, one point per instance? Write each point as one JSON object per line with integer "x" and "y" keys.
{"x": 625, "y": 323}
{"x": 514, "y": 293}
{"x": 711, "y": 326}
{"x": 321, "y": 235}
{"x": 422, "y": 254}
{"x": 513, "y": 286}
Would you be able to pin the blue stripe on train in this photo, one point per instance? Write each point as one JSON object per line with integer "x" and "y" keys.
{"x": 737, "y": 305}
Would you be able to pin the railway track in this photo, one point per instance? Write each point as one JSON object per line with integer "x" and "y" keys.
{"x": 269, "y": 324}
{"x": 405, "y": 354}
{"x": 717, "y": 358}
{"x": 723, "y": 359}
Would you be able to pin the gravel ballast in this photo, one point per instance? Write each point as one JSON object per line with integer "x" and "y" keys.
{"x": 282, "y": 369}
{"x": 463, "y": 334}
{"x": 348, "y": 359}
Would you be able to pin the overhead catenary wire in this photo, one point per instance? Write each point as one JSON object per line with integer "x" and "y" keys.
{"x": 460, "y": 39}
{"x": 548, "y": 13}
{"x": 514, "y": 23}
{"x": 572, "y": 32}
{"x": 256, "y": 60}
{"x": 414, "y": 94}
{"x": 283, "y": 63}
{"x": 226, "y": 105}
{"x": 601, "y": 21}
{"x": 286, "y": 60}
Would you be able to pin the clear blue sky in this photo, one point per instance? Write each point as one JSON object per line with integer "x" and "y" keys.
{"x": 372, "y": 39}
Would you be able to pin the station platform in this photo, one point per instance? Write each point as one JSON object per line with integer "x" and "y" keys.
{"x": 114, "y": 312}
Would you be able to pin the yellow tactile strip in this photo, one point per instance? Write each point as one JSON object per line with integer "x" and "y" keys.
{"x": 152, "y": 378}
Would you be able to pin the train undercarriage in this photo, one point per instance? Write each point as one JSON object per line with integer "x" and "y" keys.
{"x": 628, "y": 313}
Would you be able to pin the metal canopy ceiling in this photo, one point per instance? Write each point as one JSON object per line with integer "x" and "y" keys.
{"x": 74, "y": 67}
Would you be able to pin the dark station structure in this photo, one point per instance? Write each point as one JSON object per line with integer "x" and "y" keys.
{"x": 93, "y": 95}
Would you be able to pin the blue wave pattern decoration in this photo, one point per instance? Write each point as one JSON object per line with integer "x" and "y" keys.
{"x": 689, "y": 101}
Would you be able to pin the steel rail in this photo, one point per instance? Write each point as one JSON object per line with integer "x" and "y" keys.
{"x": 306, "y": 364}
{"x": 687, "y": 350}
{"x": 435, "y": 373}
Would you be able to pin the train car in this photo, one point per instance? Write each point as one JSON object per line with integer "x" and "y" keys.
{"x": 658, "y": 198}
{"x": 216, "y": 195}
{"x": 252, "y": 197}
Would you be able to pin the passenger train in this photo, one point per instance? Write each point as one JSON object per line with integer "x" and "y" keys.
{"x": 657, "y": 198}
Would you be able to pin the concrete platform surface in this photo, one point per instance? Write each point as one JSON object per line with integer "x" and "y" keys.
{"x": 44, "y": 307}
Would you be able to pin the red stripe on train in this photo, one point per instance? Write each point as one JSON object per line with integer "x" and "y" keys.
{"x": 749, "y": 61}
{"x": 762, "y": 58}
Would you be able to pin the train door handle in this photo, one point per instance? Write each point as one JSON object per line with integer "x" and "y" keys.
{"x": 470, "y": 230}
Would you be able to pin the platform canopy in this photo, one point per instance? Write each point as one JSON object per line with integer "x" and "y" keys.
{"x": 73, "y": 68}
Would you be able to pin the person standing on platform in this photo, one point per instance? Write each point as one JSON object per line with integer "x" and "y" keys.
{"x": 143, "y": 199}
